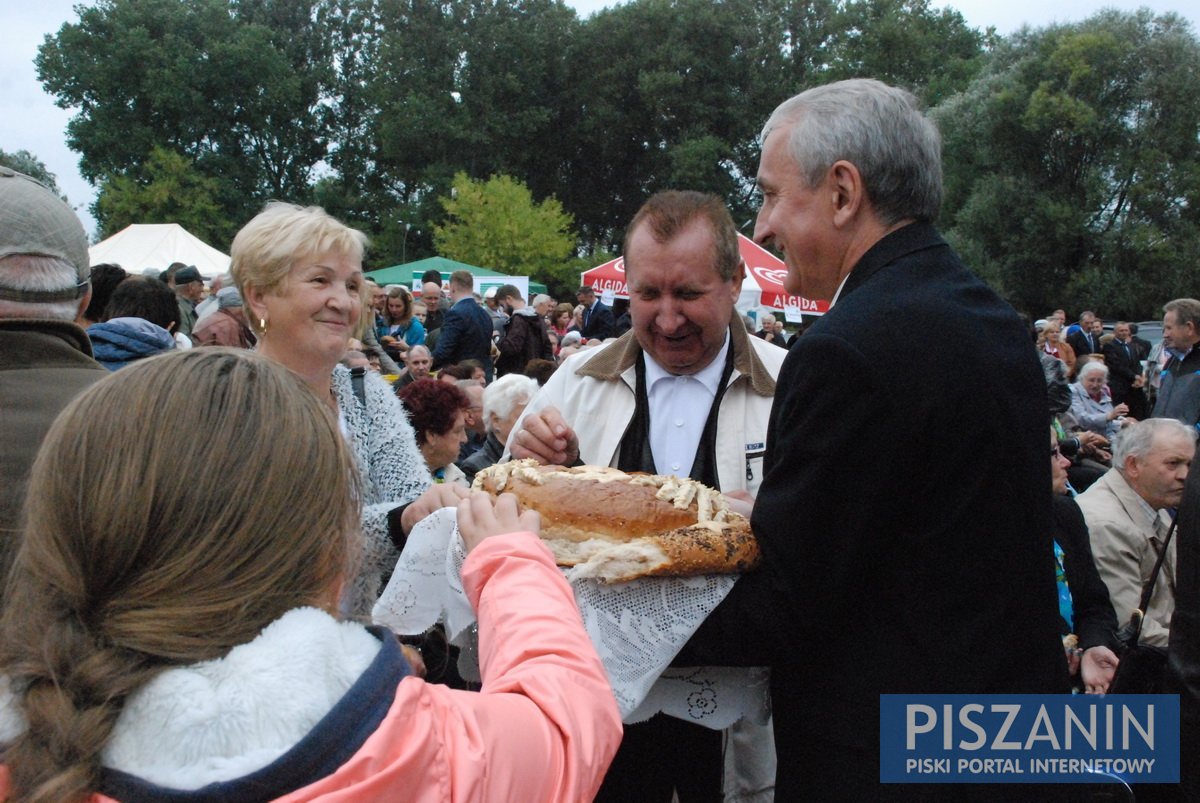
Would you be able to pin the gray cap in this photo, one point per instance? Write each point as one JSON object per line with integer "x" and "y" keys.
{"x": 33, "y": 220}
{"x": 228, "y": 297}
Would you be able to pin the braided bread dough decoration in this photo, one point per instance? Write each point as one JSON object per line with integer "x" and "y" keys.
{"x": 615, "y": 526}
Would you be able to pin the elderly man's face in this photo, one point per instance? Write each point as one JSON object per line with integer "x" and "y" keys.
{"x": 419, "y": 362}
{"x": 798, "y": 220}
{"x": 1176, "y": 334}
{"x": 679, "y": 305}
{"x": 1159, "y": 477}
{"x": 1121, "y": 331}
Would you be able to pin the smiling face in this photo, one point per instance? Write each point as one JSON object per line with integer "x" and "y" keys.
{"x": 311, "y": 315}
{"x": 799, "y": 221}
{"x": 679, "y": 305}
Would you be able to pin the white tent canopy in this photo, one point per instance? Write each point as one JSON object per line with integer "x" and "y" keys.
{"x": 157, "y": 245}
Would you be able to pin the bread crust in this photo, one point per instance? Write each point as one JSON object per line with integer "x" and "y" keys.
{"x": 616, "y": 526}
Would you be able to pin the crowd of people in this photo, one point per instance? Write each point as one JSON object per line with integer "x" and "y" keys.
{"x": 203, "y": 496}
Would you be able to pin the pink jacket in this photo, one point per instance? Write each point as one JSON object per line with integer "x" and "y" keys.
{"x": 544, "y": 727}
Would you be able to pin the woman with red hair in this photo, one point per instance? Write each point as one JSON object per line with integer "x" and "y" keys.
{"x": 437, "y": 412}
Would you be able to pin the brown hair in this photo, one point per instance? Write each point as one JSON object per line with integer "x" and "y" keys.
{"x": 668, "y": 213}
{"x": 163, "y": 536}
{"x": 401, "y": 292}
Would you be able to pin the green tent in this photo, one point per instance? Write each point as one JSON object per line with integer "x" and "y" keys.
{"x": 406, "y": 273}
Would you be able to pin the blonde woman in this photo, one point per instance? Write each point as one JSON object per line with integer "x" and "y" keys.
{"x": 1050, "y": 340}
{"x": 300, "y": 274}
{"x": 172, "y": 634}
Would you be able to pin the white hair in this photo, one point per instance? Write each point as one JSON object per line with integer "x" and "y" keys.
{"x": 32, "y": 272}
{"x": 503, "y": 395}
{"x": 1090, "y": 368}
{"x": 1138, "y": 440}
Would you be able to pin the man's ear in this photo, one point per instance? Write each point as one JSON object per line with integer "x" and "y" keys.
{"x": 83, "y": 304}
{"x": 849, "y": 194}
{"x": 739, "y": 276}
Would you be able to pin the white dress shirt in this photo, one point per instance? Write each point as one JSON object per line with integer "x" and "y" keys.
{"x": 679, "y": 407}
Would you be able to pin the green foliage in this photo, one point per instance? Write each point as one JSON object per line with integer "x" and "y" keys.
{"x": 496, "y": 224}
{"x": 167, "y": 189}
{"x": 234, "y": 88}
{"x": 25, "y": 162}
{"x": 1073, "y": 165}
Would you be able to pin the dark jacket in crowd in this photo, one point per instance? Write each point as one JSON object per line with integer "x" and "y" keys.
{"x": 524, "y": 339}
{"x": 599, "y": 323}
{"x": 1179, "y": 395}
{"x": 466, "y": 334}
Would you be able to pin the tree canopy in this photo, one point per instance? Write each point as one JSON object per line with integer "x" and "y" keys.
{"x": 1070, "y": 157}
{"x": 1073, "y": 165}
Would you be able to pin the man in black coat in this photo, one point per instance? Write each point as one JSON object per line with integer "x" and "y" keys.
{"x": 1183, "y": 661}
{"x": 467, "y": 328}
{"x": 1085, "y": 339}
{"x": 904, "y": 516}
{"x": 598, "y": 321}
{"x": 1125, "y": 371}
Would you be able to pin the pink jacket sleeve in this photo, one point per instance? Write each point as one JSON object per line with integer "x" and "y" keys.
{"x": 545, "y": 725}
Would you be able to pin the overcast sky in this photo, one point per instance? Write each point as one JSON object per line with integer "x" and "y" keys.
{"x": 32, "y": 122}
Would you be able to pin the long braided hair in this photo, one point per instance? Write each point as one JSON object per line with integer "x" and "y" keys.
{"x": 175, "y": 509}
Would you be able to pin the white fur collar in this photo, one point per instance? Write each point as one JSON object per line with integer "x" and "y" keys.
{"x": 223, "y": 719}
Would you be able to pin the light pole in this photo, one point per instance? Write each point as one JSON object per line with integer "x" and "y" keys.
{"x": 404, "y": 245}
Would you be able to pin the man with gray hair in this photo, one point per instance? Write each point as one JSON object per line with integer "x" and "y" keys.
{"x": 895, "y": 560}
{"x": 1127, "y": 517}
{"x": 1179, "y": 394}
{"x": 45, "y": 358}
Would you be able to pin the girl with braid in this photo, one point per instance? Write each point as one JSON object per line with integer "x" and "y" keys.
{"x": 170, "y": 628}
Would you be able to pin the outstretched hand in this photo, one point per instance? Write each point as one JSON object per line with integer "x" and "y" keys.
{"x": 481, "y": 516}
{"x": 438, "y": 496}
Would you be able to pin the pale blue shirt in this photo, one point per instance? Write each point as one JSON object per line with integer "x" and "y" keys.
{"x": 679, "y": 408}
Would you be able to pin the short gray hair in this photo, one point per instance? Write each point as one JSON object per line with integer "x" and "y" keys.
{"x": 1185, "y": 309}
{"x": 1137, "y": 440}
{"x": 880, "y": 130}
{"x": 36, "y": 273}
{"x": 500, "y": 397}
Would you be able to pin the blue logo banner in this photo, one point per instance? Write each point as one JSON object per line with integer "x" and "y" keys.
{"x": 1028, "y": 738}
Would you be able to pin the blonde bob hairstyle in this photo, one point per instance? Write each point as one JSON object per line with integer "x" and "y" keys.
{"x": 165, "y": 524}
{"x": 283, "y": 235}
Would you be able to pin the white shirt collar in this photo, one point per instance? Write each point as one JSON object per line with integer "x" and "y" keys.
{"x": 709, "y": 375}
{"x": 838, "y": 294}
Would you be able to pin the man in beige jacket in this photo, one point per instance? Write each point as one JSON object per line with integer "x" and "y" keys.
{"x": 1127, "y": 516}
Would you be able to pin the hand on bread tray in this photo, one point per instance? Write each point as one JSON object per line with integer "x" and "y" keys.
{"x": 436, "y": 497}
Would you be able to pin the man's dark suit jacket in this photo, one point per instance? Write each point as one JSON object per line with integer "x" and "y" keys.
{"x": 1123, "y": 368}
{"x": 1082, "y": 345}
{"x": 466, "y": 335}
{"x": 1183, "y": 661}
{"x": 600, "y": 323}
{"x": 904, "y": 516}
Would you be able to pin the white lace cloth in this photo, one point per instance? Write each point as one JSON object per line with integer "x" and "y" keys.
{"x": 637, "y": 628}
